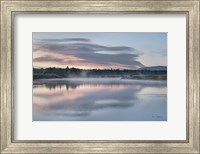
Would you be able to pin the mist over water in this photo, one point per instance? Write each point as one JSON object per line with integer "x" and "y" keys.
{"x": 99, "y": 99}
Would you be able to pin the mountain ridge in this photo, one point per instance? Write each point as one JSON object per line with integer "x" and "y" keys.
{"x": 154, "y": 68}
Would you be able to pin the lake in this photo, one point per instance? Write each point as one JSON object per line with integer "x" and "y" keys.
{"x": 99, "y": 99}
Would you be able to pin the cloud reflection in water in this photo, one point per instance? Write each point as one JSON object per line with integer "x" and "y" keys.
{"x": 98, "y": 99}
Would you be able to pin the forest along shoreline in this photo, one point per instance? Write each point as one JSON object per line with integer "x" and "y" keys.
{"x": 145, "y": 73}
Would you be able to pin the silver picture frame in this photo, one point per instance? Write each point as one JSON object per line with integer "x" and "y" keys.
{"x": 9, "y": 8}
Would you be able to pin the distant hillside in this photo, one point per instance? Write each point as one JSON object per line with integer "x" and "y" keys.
{"x": 154, "y": 68}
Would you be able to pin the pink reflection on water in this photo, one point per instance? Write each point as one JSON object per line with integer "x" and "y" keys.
{"x": 43, "y": 96}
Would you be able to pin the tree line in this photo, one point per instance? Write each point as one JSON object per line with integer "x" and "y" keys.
{"x": 53, "y": 72}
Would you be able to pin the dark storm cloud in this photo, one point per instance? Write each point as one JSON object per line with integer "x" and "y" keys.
{"x": 91, "y": 53}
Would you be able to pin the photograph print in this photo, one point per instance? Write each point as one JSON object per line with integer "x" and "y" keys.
{"x": 99, "y": 76}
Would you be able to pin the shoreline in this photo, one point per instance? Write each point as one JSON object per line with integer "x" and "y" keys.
{"x": 95, "y": 81}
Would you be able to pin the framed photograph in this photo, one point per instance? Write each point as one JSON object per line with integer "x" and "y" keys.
{"x": 100, "y": 76}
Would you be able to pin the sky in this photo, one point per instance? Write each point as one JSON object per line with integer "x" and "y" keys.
{"x": 99, "y": 50}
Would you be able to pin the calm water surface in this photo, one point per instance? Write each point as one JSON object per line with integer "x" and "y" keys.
{"x": 106, "y": 99}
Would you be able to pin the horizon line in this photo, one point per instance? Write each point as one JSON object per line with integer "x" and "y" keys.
{"x": 95, "y": 68}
